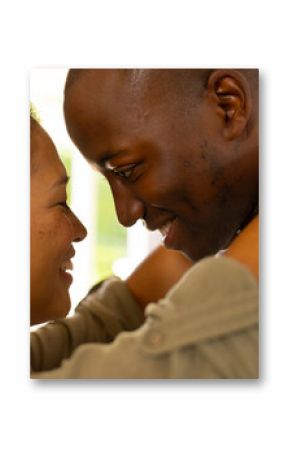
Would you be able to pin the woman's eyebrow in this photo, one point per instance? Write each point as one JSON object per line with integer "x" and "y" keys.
{"x": 60, "y": 181}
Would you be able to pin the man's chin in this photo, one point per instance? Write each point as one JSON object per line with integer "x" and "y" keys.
{"x": 196, "y": 254}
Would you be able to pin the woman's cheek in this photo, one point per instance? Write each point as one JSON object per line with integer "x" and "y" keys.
{"x": 66, "y": 225}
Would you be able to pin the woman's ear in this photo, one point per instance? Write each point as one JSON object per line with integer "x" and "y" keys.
{"x": 230, "y": 92}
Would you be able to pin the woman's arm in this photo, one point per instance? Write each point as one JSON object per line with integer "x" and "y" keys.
{"x": 108, "y": 310}
{"x": 245, "y": 247}
{"x": 152, "y": 279}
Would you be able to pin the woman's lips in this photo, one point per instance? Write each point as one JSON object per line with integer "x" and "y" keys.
{"x": 66, "y": 265}
{"x": 67, "y": 277}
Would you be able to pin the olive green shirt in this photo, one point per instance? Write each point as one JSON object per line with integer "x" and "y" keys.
{"x": 205, "y": 328}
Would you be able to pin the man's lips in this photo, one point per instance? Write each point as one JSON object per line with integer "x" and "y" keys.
{"x": 161, "y": 225}
{"x": 167, "y": 230}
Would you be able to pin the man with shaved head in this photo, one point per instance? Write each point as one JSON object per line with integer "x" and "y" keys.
{"x": 179, "y": 149}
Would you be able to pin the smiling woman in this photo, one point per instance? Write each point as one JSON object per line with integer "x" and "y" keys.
{"x": 53, "y": 229}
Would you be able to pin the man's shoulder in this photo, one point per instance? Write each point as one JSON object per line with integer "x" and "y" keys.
{"x": 216, "y": 297}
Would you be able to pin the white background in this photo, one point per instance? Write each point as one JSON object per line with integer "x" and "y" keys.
{"x": 145, "y": 414}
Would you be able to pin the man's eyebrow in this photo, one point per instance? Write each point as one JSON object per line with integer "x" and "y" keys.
{"x": 110, "y": 154}
{"x": 60, "y": 181}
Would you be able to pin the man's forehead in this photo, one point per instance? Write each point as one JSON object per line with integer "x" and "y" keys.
{"x": 112, "y": 107}
{"x": 102, "y": 97}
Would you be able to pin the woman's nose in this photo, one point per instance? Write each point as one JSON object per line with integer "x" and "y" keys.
{"x": 79, "y": 229}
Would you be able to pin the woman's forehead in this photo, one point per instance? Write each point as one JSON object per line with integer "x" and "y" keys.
{"x": 45, "y": 158}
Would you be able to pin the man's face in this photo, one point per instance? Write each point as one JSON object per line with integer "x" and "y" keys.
{"x": 161, "y": 157}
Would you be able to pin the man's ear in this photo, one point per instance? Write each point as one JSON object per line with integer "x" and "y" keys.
{"x": 230, "y": 92}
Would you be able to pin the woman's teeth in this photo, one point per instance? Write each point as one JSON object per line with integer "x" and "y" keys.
{"x": 66, "y": 265}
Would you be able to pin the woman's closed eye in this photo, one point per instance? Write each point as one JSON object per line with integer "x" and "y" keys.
{"x": 63, "y": 204}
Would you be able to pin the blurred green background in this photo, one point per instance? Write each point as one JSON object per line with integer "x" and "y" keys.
{"x": 110, "y": 236}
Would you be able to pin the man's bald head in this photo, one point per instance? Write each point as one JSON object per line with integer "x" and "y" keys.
{"x": 185, "y": 80}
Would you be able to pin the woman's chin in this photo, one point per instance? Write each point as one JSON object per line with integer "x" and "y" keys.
{"x": 62, "y": 306}
{"x": 58, "y": 309}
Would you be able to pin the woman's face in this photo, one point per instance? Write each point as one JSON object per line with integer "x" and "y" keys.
{"x": 53, "y": 229}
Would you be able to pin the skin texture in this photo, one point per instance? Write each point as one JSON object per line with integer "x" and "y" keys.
{"x": 245, "y": 247}
{"x": 148, "y": 283}
{"x": 175, "y": 146}
{"x": 53, "y": 229}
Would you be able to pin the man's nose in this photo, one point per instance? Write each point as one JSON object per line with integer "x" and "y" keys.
{"x": 128, "y": 207}
{"x": 80, "y": 231}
